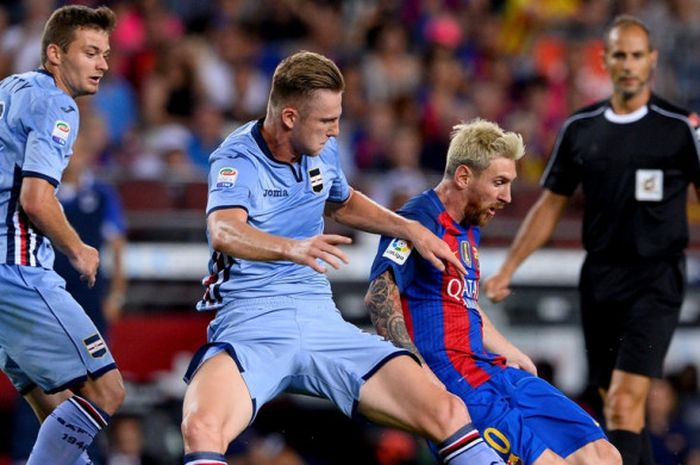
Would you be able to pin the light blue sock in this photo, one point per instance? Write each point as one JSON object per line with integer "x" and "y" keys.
{"x": 67, "y": 432}
{"x": 466, "y": 447}
{"x": 84, "y": 459}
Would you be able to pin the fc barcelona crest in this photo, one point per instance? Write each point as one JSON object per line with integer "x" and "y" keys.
{"x": 316, "y": 180}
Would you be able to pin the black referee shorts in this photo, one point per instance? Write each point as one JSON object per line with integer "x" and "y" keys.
{"x": 629, "y": 313}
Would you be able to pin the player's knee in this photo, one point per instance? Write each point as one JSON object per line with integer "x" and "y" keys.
{"x": 200, "y": 431}
{"x": 608, "y": 454}
{"x": 621, "y": 404}
{"x": 601, "y": 453}
{"x": 447, "y": 415}
{"x": 107, "y": 391}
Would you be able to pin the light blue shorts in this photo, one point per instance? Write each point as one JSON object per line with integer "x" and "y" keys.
{"x": 285, "y": 344}
{"x": 46, "y": 339}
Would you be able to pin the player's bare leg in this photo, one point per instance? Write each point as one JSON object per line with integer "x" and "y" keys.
{"x": 401, "y": 395}
{"x": 43, "y": 404}
{"x": 599, "y": 452}
{"x": 624, "y": 407}
{"x": 70, "y": 422}
{"x": 217, "y": 408}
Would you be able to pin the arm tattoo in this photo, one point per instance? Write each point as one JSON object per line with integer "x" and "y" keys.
{"x": 384, "y": 304}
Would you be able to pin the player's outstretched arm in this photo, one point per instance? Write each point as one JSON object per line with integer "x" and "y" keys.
{"x": 384, "y": 304}
{"x": 232, "y": 235}
{"x": 38, "y": 200}
{"x": 497, "y": 343}
{"x": 535, "y": 230}
{"x": 361, "y": 212}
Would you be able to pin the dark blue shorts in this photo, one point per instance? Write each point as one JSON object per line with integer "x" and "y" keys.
{"x": 521, "y": 415}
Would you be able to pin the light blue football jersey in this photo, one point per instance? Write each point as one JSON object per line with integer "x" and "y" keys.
{"x": 38, "y": 125}
{"x": 282, "y": 199}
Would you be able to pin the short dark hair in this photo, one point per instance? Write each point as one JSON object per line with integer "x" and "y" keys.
{"x": 301, "y": 74}
{"x": 625, "y": 21}
{"x": 61, "y": 26}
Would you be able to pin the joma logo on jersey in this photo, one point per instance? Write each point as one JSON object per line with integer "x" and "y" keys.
{"x": 275, "y": 193}
{"x": 316, "y": 180}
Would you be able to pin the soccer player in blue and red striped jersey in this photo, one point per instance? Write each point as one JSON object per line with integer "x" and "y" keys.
{"x": 435, "y": 313}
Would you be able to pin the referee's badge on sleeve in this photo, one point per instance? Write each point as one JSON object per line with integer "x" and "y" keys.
{"x": 398, "y": 251}
{"x": 649, "y": 185}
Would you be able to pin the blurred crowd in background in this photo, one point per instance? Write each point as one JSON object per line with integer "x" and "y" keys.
{"x": 185, "y": 73}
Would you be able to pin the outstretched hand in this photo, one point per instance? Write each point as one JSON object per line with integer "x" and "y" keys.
{"x": 497, "y": 286}
{"x": 323, "y": 246}
{"x": 522, "y": 362}
{"x": 434, "y": 249}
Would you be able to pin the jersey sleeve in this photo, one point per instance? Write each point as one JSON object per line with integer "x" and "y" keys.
{"x": 340, "y": 189}
{"x": 562, "y": 175}
{"x": 232, "y": 180}
{"x": 51, "y": 133}
{"x": 398, "y": 255}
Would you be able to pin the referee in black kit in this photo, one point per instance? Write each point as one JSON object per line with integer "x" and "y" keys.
{"x": 634, "y": 156}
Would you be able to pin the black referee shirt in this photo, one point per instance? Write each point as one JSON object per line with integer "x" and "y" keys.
{"x": 634, "y": 170}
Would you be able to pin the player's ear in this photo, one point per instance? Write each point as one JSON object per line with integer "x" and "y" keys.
{"x": 290, "y": 116}
{"x": 53, "y": 54}
{"x": 463, "y": 175}
{"x": 654, "y": 55}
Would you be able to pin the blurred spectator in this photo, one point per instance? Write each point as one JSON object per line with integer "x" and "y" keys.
{"x": 117, "y": 102}
{"x": 389, "y": 68}
{"x": 125, "y": 442}
{"x": 404, "y": 178}
{"x": 373, "y": 137}
{"x": 170, "y": 93}
{"x": 21, "y": 43}
{"x": 669, "y": 434}
{"x": 395, "y": 447}
{"x": 270, "y": 450}
{"x": 207, "y": 132}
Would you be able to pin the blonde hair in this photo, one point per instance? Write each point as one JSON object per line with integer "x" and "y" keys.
{"x": 478, "y": 142}
{"x": 300, "y": 74}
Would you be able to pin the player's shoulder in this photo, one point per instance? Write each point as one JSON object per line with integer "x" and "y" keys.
{"x": 585, "y": 116}
{"x": 239, "y": 144}
{"x": 423, "y": 208}
{"x": 590, "y": 111}
{"x": 669, "y": 110}
{"x": 43, "y": 85}
{"x": 656, "y": 102}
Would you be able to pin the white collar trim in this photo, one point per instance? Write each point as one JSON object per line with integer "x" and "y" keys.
{"x": 636, "y": 115}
